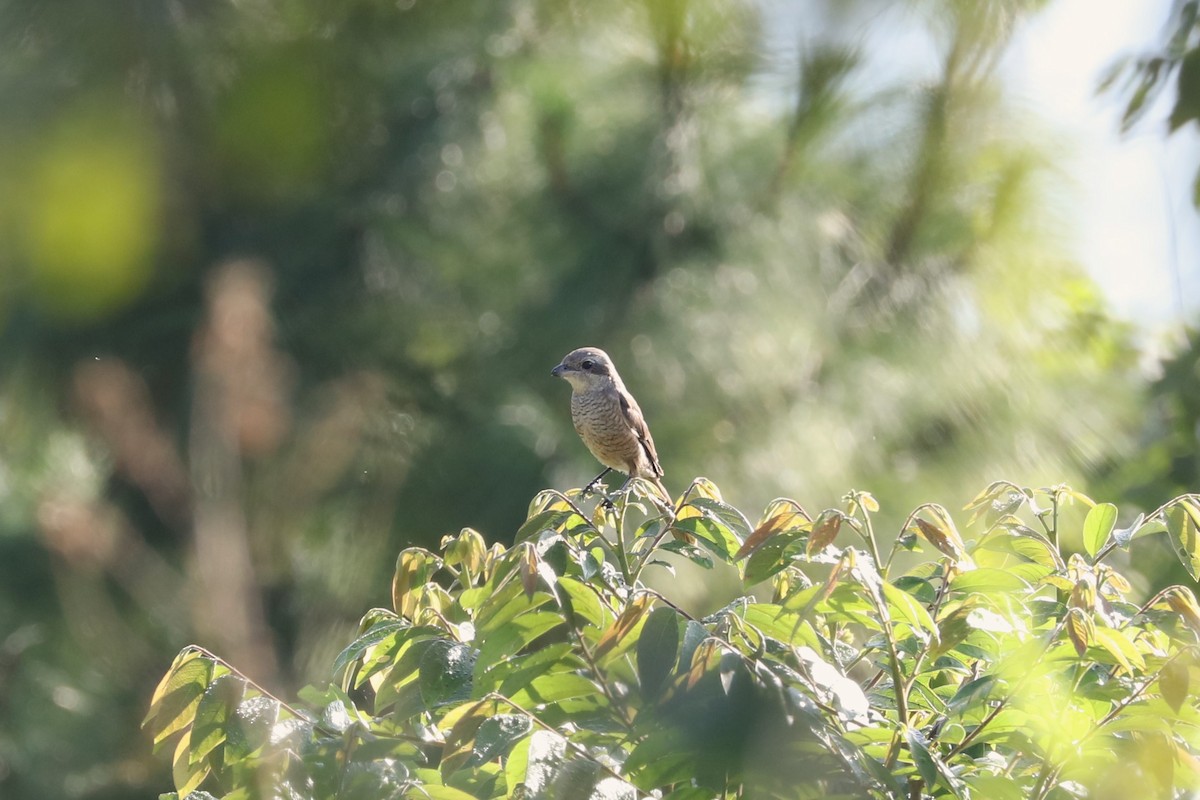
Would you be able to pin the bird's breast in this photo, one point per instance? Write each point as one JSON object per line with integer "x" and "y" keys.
{"x": 602, "y": 425}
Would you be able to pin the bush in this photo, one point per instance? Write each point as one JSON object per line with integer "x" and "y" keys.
{"x": 997, "y": 668}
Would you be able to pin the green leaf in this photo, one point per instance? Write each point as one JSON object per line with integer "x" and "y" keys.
{"x": 250, "y": 726}
{"x": 971, "y": 694}
{"x": 178, "y": 695}
{"x": 693, "y": 634}
{"x": 509, "y": 676}
{"x": 376, "y": 633}
{"x": 1174, "y": 683}
{"x": 1182, "y": 520}
{"x": 212, "y": 715}
{"x": 513, "y": 636}
{"x": 918, "y": 745}
{"x": 1187, "y": 91}
{"x": 553, "y": 688}
{"x": 516, "y": 767}
{"x": 689, "y": 551}
{"x": 717, "y": 526}
{"x": 1098, "y": 526}
{"x": 430, "y": 791}
{"x": 986, "y": 581}
{"x": 446, "y": 672}
{"x": 498, "y": 734}
{"x": 481, "y": 735}
{"x": 931, "y": 767}
{"x": 1120, "y": 648}
{"x": 546, "y": 755}
{"x": 660, "y": 760}
{"x": 657, "y": 648}
{"x": 187, "y": 775}
{"x": 910, "y": 610}
{"x": 585, "y": 604}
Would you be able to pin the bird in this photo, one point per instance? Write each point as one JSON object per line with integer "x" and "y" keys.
{"x": 608, "y": 419}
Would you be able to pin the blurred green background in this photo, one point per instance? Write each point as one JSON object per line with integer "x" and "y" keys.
{"x": 281, "y": 283}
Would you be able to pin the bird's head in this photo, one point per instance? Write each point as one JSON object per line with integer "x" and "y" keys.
{"x": 585, "y": 368}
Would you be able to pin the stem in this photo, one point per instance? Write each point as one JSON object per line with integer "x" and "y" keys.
{"x": 868, "y": 533}
{"x": 622, "y": 556}
{"x": 983, "y": 723}
{"x": 1046, "y": 780}
{"x": 1054, "y": 517}
{"x": 933, "y": 612}
{"x": 667, "y": 528}
{"x": 599, "y": 676}
{"x": 898, "y": 684}
{"x": 210, "y": 655}
{"x": 1016, "y": 689}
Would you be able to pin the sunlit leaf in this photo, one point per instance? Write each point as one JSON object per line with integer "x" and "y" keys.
{"x": 250, "y": 726}
{"x": 625, "y": 623}
{"x": 1174, "y": 682}
{"x": 178, "y": 695}
{"x": 942, "y": 535}
{"x": 187, "y": 774}
{"x": 212, "y": 715}
{"x": 1182, "y": 601}
{"x": 1181, "y": 525}
{"x": 781, "y": 523}
{"x": 985, "y": 581}
{"x": 446, "y": 673}
{"x": 547, "y": 752}
{"x": 824, "y": 531}
{"x": 1120, "y": 648}
{"x": 972, "y": 693}
{"x": 1080, "y": 629}
{"x": 910, "y": 610}
{"x": 414, "y": 566}
{"x": 1098, "y": 526}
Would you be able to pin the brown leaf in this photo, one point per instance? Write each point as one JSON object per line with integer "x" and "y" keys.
{"x": 1080, "y": 629}
{"x": 943, "y": 537}
{"x": 1083, "y": 594}
{"x": 625, "y": 623}
{"x": 783, "y": 521}
{"x": 825, "y": 530}
{"x": 528, "y": 566}
{"x": 414, "y": 565}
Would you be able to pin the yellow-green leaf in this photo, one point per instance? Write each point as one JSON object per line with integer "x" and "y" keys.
{"x": 1120, "y": 648}
{"x": 1098, "y": 526}
{"x": 1182, "y": 525}
{"x": 174, "y": 704}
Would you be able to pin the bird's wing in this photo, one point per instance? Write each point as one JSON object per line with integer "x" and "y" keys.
{"x": 633, "y": 415}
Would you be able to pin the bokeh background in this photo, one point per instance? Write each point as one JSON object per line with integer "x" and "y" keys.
{"x": 281, "y": 283}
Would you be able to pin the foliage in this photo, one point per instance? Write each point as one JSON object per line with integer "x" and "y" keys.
{"x": 1002, "y": 666}
{"x": 280, "y": 283}
{"x": 1174, "y": 67}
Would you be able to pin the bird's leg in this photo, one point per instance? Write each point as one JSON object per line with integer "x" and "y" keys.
{"x": 592, "y": 483}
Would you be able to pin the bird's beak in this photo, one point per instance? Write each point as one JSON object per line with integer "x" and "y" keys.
{"x": 558, "y": 371}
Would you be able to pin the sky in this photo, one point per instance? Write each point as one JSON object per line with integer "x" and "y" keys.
{"x": 1125, "y": 198}
{"x": 1134, "y": 227}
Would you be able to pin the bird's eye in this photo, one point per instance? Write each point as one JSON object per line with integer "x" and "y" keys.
{"x": 587, "y": 363}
